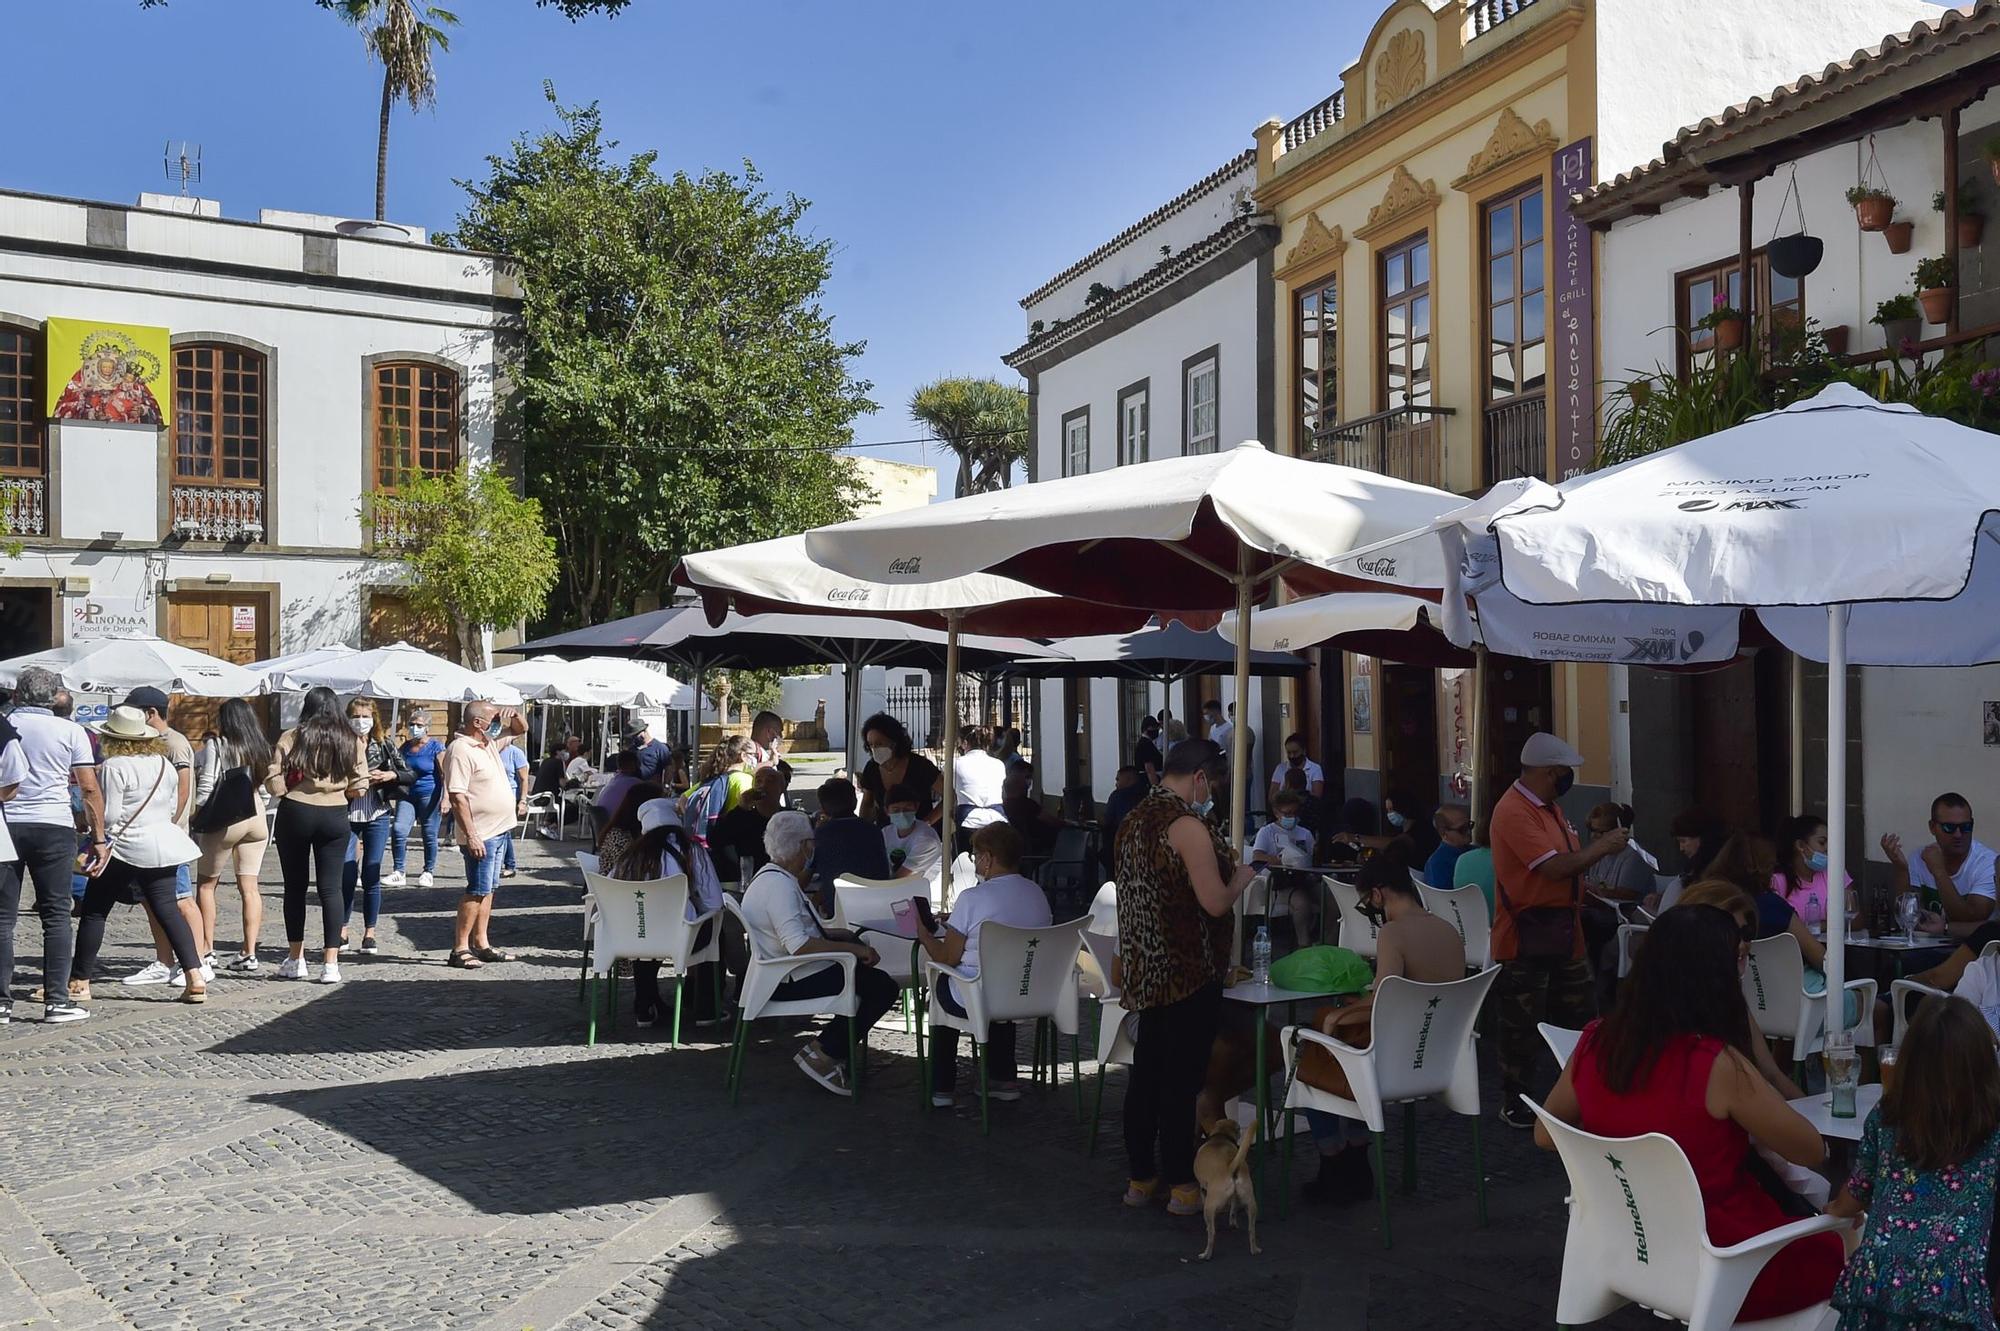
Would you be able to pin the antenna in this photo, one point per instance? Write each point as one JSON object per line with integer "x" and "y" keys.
{"x": 183, "y": 163}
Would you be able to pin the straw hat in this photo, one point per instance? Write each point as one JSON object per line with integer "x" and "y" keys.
{"x": 125, "y": 723}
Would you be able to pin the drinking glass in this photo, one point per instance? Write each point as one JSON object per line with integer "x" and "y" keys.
{"x": 1887, "y": 1056}
{"x": 1843, "y": 1073}
{"x": 1907, "y": 908}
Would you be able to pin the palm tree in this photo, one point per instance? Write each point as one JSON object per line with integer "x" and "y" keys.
{"x": 983, "y": 421}
{"x": 401, "y": 34}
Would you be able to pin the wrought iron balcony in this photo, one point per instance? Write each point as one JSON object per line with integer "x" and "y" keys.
{"x": 388, "y": 529}
{"x": 227, "y": 513}
{"x": 24, "y": 506}
{"x": 1517, "y": 439}
{"x": 1406, "y": 442}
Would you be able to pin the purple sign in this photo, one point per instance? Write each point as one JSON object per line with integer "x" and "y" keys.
{"x": 1574, "y": 352}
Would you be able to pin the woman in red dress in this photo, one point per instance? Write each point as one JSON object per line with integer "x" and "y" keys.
{"x": 1671, "y": 1058}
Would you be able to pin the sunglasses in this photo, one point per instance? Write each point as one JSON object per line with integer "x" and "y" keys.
{"x": 1954, "y": 829}
{"x": 1462, "y": 827}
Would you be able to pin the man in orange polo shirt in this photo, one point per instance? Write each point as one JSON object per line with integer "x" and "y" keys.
{"x": 1537, "y": 922}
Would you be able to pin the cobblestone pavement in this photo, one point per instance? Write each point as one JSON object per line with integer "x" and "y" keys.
{"x": 429, "y": 1148}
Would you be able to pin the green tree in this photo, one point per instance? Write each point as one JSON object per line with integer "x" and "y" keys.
{"x": 402, "y": 36}
{"x": 983, "y": 421}
{"x": 574, "y": 9}
{"x": 680, "y": 387}
{"x": 478, "y": 554}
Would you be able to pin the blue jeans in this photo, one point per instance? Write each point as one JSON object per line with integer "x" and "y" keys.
{"x": 365, "y": 873}
{"x": 483, "y": 875}
{"x": 1331, "y": 1130}
{"x": 183, "y": 883}
{"x": 423, "y": 810}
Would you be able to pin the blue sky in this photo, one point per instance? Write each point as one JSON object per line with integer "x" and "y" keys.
{"x": 957, "y": 154}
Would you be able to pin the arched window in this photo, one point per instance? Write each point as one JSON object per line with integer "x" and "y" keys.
{"x": 219, "y": 415}
{"x": 416, "y": 421}
{"x": 21, "y": 439}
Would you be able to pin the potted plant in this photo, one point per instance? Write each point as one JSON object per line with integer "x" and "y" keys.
{"x": 1898, "y": 235}
{"x": 1971, "y": 214}
{"x": 1898, "y": 318}
{"x": 1726, "y": 322}
{"x": 1835, "y": 339}
{"x": 1991, "y": 150}
{"x": 1873, "y": 207}
{"x": 1935, "y": 290}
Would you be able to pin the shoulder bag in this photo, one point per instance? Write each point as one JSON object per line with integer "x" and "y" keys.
{"x": 128, "y": 887}
{"x": 233, "y": 800}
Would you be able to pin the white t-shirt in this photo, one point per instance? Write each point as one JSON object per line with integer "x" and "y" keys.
{"x": 1272, "y": 840}
{"x": 779, "y": 918}
{"x": 1008, "y": 899}
{"x": 51, "y": 746}
{"x": 580, "y": 769}
{"x": 1973, "y": 879}
{"x": 980, "y": 780}
{"x": 1221, "y": 732}
{"x": 13, "y": 771}
{"x": 923, "y": 851}
{"x": 1314, "y": 774}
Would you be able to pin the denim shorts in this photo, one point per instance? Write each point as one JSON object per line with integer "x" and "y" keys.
{"x": 183, "y": 883}
{"x": 483, "y": 875}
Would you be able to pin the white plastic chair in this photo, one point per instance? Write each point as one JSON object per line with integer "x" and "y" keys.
{"x": 1023, "y": 974}
{"x": 1104, "y": 910}
{"x": 647, "y": 921}
{"x": 1902, "y": 991}
{"x": 587, "y": 862}
{"x": 1774, "y": 985}
{"x": 856, "y": 898}
{"x": 1637, "y": 1235}
{"x": 761, "y": 978}
{"x": 544, "y": 809}
{"x": 1114, "y": 1042}
{"x": 1466, "y": 908}
{"x": 1561, "y": 1041}
{"x": 1628, "y": 946}
{"x": 1420, "y": 1047}
{"x": 1357, "y": 932}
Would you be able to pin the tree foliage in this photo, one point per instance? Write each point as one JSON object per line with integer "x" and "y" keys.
{"x": 681, "y": 388}
{"x": 983, "y": 421}
{"x": 478, "y": 554}
{"x": 402, "y": 36}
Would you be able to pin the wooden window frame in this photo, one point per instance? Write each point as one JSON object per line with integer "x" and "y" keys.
{"x": 1142, "y": 390}
{"x": 33, "y": 424}
{"x": 1511, "y": 198}
{"x": 1384, "y": 302}
{"x": 1690, "y": 341}
{"x": 1211, "y": 357}
{"x": 219, "y": 439}
{"x": 1082, "y": 414}
{"x": 1328, "y": 363}
{"x": 419, "y": 368}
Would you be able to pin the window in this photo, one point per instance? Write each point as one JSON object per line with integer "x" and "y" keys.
{"x": 1516, "y": 309}
{"x": 1695, "y": 295}
{"x": 1200, "y": 413}
{"x": 416, "y": 421}
{"x": 218, "y": 414}
{"x": 20, "y": 406}
{"x": 1318, "y": 327}
{"x": 1406, "y": 324}
{"x": 1134, "y": 418}
{"x": 1076, "y": 442}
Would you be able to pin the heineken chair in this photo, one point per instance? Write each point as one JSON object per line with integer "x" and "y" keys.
{"x": 647, "y": 921}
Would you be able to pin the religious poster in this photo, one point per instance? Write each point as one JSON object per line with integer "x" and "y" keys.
{"x": 1573, "y": 350}
{"x": 1362, "y": 691}
{"x": 106, "y": 372}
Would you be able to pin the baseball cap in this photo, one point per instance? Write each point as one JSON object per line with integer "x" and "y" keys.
{"x": 1545, "y": 750}
{"x": 146, "y": 696}
{"x": 657, "y": 813}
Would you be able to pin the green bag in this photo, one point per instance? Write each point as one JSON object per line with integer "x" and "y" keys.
{"x": 1323, "y": 970}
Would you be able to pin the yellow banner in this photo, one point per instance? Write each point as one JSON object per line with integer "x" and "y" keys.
{"x": 107, "y": 372}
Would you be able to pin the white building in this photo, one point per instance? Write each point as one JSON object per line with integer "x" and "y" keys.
{"x": 271, "y": 374}
{"x": 1154, "y": 345}
{"x": 1911, "y": 113}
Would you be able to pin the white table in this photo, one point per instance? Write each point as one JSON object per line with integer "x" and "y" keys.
{"x": 1818, "y": 1111}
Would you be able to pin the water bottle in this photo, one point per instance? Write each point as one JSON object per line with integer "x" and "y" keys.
{"x": 1260, "y": 955}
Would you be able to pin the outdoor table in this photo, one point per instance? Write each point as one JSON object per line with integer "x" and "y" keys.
{"x": 1261, "y": 998}
{"x": 915, "y": 994}
{"x": 1818, "y": 1111}
{"x": 1899, "y": 949}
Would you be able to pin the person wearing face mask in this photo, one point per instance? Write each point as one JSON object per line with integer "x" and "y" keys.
{"x": 1296, "y": 761}
{"x": 893, "y": 761}
{"x": 370, "y": 819}
{"x": 1178, "y": 882}
{"x": 482, "y": 809}
{"x": 422, "y": 802}
{"x": 1801, "y": 880}
{"x": 1283, "y": 846}
{"x": 913, "y": 845}
{"x": 1538, "y": 939}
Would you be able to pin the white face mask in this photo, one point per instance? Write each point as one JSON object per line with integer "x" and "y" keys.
{"x": 418, "y": 732}
{"x": 361, "y": 724}
{"x": 882, "y": 754}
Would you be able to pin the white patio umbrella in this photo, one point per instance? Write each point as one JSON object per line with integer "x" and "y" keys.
{"x": 590, "y": 681}
{"x": 1185, "y": 537}
{"x": 398, "y": 672}
{"x": 117, "y": 665}
{"x": 293, "y": 660}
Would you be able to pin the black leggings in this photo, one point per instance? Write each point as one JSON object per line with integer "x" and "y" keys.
{"x": 1169, "y": 1063}
{"x": 646, "y": 983}
{"x": 156, "y": 892}
{"x": 312, "y": 845}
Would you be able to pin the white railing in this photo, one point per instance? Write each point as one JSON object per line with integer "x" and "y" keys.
{"x": 24, "y": 506}
{"x": 216, "y": 513}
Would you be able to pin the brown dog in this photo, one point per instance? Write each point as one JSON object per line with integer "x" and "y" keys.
{"x": 1221, "y": 1166}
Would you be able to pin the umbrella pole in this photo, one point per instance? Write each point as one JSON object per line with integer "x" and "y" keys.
{"x": 851, "y": 707}
{"x": 1836, "y": 813}
{"x": 1479, "y": 723}
{"x": 950, "y": 744}
{"x": 1239, "y": 736}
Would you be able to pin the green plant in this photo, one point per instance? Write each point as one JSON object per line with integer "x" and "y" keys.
{"x": 1956, "y": 386}
{"x": 1991, "y": 148}
{"x": 983, "y": 421}
{"x": 1968, "y": 205}
{"x": 1035, "y": 328}
{"x": 401, "y": 35}
{"x": 1902, "y": 306}
{"x": 1720, "y": 313}
{"x": 1934, "y": 272}
{"x": 1098, "y": 291}
{"x": 1863, "y": 193}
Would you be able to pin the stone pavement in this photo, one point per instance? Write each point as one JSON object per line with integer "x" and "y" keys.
{"x": 429, "y": 1148}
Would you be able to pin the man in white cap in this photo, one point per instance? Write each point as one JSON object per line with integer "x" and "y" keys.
{"x": 1537, "y": 921}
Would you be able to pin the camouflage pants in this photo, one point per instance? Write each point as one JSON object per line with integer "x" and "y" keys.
{"x": 1530, "y": 991}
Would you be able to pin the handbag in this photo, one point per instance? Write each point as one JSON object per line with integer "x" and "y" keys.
{"x": 233, "y": 800}
{"x": 127, "y": 892}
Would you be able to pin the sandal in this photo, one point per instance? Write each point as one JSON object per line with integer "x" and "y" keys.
{"x": 466, "y": 959}
{"x": 493, "y": 954}
{"x": 194, "y": 996}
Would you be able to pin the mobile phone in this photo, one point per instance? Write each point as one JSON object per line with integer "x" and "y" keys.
{"x": 924, "y": 913}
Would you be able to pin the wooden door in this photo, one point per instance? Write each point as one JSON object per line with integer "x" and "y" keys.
{"x": 1519, "y": 702}
{"x": 234, "y": 625}
{"x": 1407, "y": 723}
{"x": 391, "y": 618}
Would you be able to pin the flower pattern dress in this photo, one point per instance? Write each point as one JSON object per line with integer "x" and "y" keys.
{"x": 1923, "y": 1261}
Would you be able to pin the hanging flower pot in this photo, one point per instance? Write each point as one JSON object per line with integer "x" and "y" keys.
{"x": 1935, "y": 277}
{"x": 1640, "y": 391}
{"x": 1795, "y": 255}
{"x": 1991, "y": 149}
{"x": 1729, "y": 333}
{"x": 1872, "y": 207}
{"x": 1898, "y": 235}
{"x": 1835, "y": 339}
{"x": 1971, "y": 226}
{"x": 1937, "y": 303}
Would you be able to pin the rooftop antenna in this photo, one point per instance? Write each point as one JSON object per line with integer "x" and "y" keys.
{"x": 183, "y": 163}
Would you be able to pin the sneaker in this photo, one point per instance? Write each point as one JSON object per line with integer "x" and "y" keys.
{"x": 330, "y": 975}
{"x": 1004, "y": 1090}
{"x": 1140, "y": 1192}
{"x": 507, "y": 873}
{"x": 6, "y": 1013}
{"x": 209, "y": 963}
{"x": 1515, "y": 1115}
{"x": 245, "y": 962}
{"x": 812, "y": 1060}
{"x": 156, "y": 972}
{"x": 179, "y": 976}
{"x": 369, "y": 945}
{"x": 55, "y": 1014}
{"x": 425, "y": 880}
{"x": 1186, "y": 1200}
{"x": 292, "y": 968}
{"x": 943, "y": 1100}
{"x": 394, "y": 879}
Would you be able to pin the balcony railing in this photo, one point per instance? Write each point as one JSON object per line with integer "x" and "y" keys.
{"x": 216, "y": 513}
{"x": 24, "y": 506}
{"x": 1406, "y": 442}
{"x": 1517, "y": 439}
{"x": 1490, "y": 14}
{"x": 1315, "y": 121}
{"x": 388, "y": 529}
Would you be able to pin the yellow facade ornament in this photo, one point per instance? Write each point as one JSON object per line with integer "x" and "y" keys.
{"x": 1512, "y": 138}
{"x": 1319, "y": 241}
{"x": 1406, "y": 194}
{"x": 1400, "y": 69}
